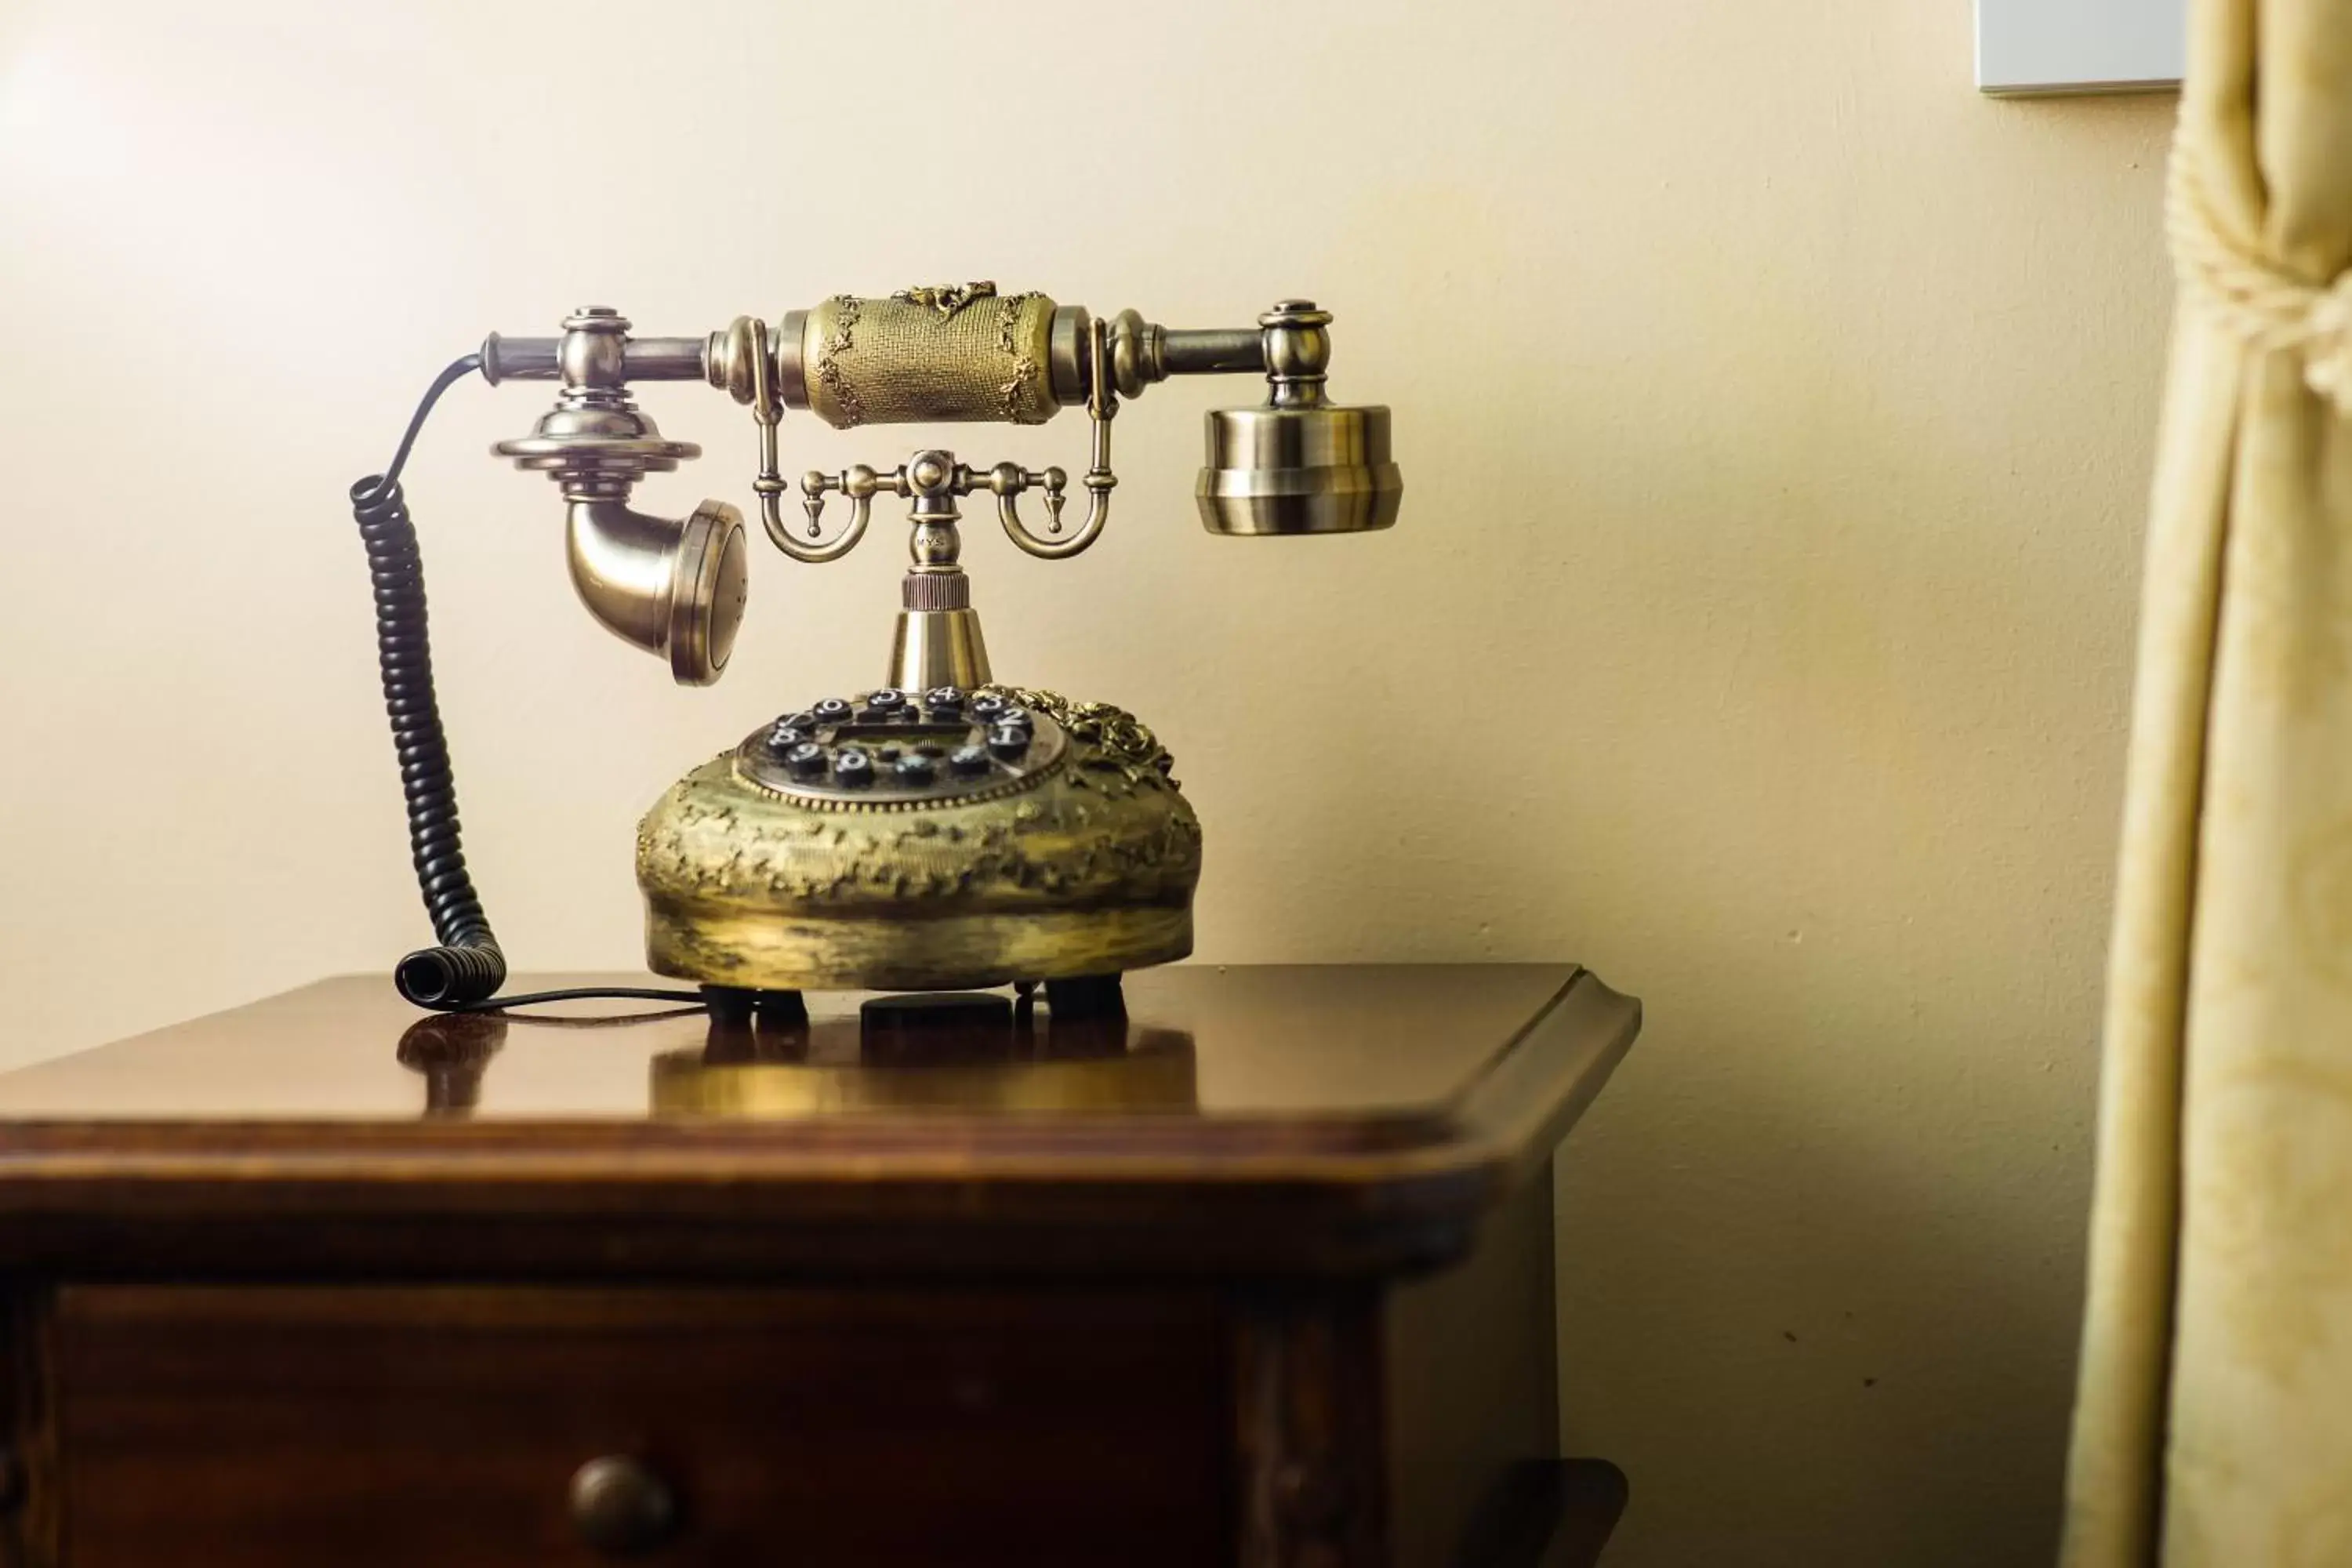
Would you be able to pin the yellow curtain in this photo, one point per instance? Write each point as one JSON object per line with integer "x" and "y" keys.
{"x": 2214, "y": 1422}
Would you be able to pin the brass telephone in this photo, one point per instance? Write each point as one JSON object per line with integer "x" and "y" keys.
{"x": 942, "y": 829}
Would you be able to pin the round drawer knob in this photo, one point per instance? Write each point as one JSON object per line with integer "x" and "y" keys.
{"x": 620, "y": 1506}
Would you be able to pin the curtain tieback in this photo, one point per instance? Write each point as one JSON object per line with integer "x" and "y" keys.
{"x": 2252, "y": 295}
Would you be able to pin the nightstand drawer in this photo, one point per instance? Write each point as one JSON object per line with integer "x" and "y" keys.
{"x": 450, "y": 1425}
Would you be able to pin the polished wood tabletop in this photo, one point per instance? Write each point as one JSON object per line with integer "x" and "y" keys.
{"x": 1336, "y": 1041}
{"x": 1370, "y": 1115}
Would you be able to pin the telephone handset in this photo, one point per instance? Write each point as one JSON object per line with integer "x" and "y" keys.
{"x": 941, "y": 829}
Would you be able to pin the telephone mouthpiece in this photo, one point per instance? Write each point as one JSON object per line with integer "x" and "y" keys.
{"x": 1320, "y": 468}
{"x": 675, "y": 588}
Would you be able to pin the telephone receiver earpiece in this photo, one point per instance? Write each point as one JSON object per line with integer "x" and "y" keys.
{"x": 1320, "y": 468}
{"x": 1298, "y": 463}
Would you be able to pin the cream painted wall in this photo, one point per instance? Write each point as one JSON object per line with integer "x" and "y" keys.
{"x": 1775, "y": 411}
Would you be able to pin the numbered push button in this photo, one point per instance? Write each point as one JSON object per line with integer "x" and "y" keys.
{"x": 831, "y": 711}
{"x": 853, "y": 767}
{"x": 1010, "y": 741}
{"x": 805, "y": 761}
{"x": 968, "y": 762}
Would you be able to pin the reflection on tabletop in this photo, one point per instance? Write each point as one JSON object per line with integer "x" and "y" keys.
{"x": 954, "y": 1052}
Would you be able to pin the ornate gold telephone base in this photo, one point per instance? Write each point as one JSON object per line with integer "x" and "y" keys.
{"x": 936, "y": 840}
{"x": 939, "y": 833}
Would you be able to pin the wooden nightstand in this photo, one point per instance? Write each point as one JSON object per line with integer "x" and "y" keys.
{"x": 1260, "y": 1274}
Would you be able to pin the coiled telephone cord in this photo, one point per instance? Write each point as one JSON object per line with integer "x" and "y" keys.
{"x": 464, "y": 972}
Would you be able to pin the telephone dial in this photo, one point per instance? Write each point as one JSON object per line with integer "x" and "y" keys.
{"x": 941, "y": 829}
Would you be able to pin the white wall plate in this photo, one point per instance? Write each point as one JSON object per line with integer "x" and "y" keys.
{"x": 2080, "y": 45}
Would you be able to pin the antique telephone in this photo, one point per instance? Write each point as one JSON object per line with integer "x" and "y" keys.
{"x": 940, "y": 831}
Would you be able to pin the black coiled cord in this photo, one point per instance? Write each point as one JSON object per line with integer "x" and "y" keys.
{"x": 464, "y": 972}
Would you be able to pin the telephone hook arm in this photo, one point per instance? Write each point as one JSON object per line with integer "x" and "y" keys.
{"x": 1005, "y": 481}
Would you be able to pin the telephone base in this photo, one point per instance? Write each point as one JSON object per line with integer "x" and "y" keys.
{"x": 872, "y": 844}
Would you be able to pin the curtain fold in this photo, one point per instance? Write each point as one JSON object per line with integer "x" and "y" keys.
{"x": 2213, "y": 1420}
